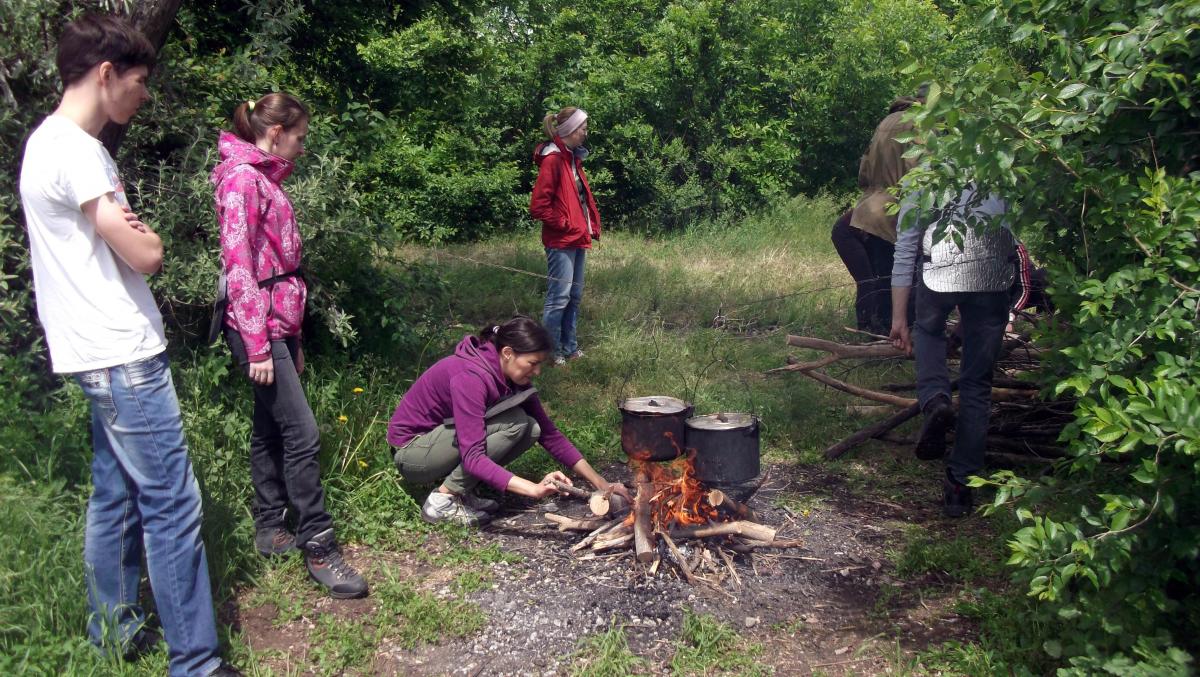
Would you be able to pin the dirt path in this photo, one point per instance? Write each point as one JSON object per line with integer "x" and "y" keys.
{"x": 834, "y": 606}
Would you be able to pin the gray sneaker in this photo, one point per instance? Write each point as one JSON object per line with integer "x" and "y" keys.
{"x": 478, "y": 503}
{"x": 441, "y": 507}
{"x": 323, "y": 557}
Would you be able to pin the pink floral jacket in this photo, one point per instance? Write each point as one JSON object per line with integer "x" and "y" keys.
{"x": 259, "y": 240}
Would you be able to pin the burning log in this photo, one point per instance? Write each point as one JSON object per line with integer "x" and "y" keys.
{"x": 749, "y": 530}
{"x": 644, "y": 542}
{"x": 718, "y": 499}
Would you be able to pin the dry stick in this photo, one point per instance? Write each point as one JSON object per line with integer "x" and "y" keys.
{"x": 843, "y": 349}
{"x": 718, "y": 499}
{"x": 683, "y": 565}
{"x": 643, "y": 538}
{"x": 805, "y": 366}
{"x": 729, "y": 563}
{"x": 573, "y": 491}
{"x": 570, "y": 524}
{"x": 874, "y": 430}
{"x": 751, "y": 530}
{"x": 778, "y": 543}
{"x": 587, "y": 540}
{"x": 621, "y": 542}
{"x": 860, "y": 392}
{"x": 618, "y": 534}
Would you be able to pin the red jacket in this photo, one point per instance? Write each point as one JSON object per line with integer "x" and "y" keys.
{"x": 556, "y": 203}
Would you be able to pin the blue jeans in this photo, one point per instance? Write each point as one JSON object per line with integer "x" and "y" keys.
{"x": 145, "y": 499}
{"x": 563, "y": 293}
{"x": 984, "y": 315}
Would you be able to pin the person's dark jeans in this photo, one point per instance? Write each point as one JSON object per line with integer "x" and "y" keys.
{"x": 869, "y": 260}
{"x": 284, "y": 445}
{"x": 984, "y": 316}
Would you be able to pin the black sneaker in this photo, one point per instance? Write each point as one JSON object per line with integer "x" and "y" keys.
{"x": 225, "y": 670}
{"x": 939, "y": 416}
{"x": 274, "y": 541}
{"x": 956, "y": 497}
{"x": 326, "y": 566}
{"x": 143, "y": 642}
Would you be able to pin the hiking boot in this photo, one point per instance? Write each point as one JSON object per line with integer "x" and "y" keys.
{"x": 326, "y": 566}
{"x": 939, "y": 416}
{"x": 225, "y": 670}
{"x": 956, "y": 497}
{"x": 478, "y": 503}
{"x": 274, "y": 541}
{"x": 441, "y": 508}
{"x": 575, "y": 355}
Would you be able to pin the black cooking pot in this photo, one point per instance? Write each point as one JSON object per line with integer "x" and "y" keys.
{"x": 726, "y": 447}
{"x": 652, "y": 428}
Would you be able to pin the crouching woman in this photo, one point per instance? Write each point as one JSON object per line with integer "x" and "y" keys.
{"x": 473, "y": 413}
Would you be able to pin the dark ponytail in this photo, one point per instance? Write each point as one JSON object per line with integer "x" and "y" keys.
{"x": 521, "y": 333}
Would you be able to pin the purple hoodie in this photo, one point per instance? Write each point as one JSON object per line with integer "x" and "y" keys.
{"x": 463, "y": 386}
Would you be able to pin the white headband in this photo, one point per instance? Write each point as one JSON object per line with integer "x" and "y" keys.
{"x": 568, "y": 126}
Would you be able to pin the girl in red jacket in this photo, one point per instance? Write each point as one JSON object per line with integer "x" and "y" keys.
{"x": 563, "y": 202}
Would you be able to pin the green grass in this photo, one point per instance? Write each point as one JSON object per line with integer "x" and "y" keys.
{"x": 606, "y": 654}
{"x": 707, "y": 645}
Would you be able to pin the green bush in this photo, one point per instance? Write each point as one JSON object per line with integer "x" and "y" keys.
{"x": 1096, "y": 147}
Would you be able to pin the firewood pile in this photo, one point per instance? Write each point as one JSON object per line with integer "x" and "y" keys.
{"x": 1023, "y": 428}
{"x": 674, "y": 518}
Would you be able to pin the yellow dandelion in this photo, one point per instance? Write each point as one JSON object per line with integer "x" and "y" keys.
{"x": 362, "y": 464}
{"x": 343, "y": 418}
{"x": 357, "y": 390}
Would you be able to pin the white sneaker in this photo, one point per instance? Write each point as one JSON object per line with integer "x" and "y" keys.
{"x": 559, "y": 360}
{"x": 476, "y": 502}
{"x": 441, "y": 507}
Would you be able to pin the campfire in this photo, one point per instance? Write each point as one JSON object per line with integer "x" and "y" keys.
{"x": 675, "y": 517}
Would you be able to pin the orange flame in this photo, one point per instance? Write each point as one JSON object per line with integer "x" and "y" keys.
{"x": 679, "y": 498}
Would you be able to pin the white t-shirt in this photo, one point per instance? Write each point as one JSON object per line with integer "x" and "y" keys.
{"x": 96, "y": 310}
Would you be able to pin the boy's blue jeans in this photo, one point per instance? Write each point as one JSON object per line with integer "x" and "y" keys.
{"x": 145, "y": 499}
{"x": 563, "y": 293}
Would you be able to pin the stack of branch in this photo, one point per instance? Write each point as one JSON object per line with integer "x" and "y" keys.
{"x": 1022, "y": 426}
{"x": 702, "y": 553}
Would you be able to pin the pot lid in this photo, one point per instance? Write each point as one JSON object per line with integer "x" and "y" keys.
{"x": 726, "y": 421}
{"x": 655, "y": 404}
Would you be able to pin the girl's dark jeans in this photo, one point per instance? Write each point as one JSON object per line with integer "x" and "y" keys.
{"x": 284, "y": 445}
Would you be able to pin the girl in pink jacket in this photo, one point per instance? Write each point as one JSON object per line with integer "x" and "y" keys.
{"x": 260, "y": 255}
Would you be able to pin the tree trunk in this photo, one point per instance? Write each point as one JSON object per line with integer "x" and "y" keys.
{"x": 154, "y": 18}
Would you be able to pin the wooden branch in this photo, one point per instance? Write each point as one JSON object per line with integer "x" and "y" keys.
{"x": 805, "y": 366}
{"x": 612, "y": 543}
{"x": 874, "y": 430}
{"x": 570, "y": 524}
{"x": 843, "y": 349}
{"x": 777, "y": 544}
{"x": 571, "y": 490}
{"x": 751, "y": 530}
{"x": 718, "y": 499}
{"x": 590, "y": 538}
{"x": 860, "y": 392}
{"x": 605, "y": 502}
{"x": 679, "y": 559}
{"x": 644, "y": 541}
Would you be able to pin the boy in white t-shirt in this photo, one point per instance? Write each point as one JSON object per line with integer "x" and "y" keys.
{"x": 89, "y": 253}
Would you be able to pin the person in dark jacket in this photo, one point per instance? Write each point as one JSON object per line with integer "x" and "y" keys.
{"x": 563, "y": 202}
{"x": 865, "y": 236}
{"x": 476, "y": 411}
